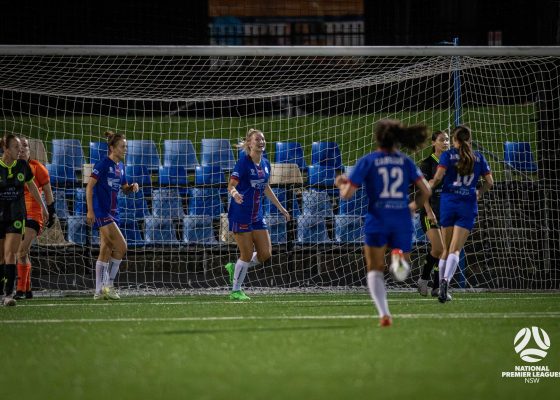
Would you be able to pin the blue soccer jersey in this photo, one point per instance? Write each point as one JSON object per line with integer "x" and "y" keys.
{"x": 110, "y": 177}
{"x": 458, "y": 196}
{"x": 386, "y": 178}
{"x": 455, "y": 184}
{"x": 252, "y": 179}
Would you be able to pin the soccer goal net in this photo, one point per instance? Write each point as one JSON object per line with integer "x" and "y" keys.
{"x": 184, "y": 110}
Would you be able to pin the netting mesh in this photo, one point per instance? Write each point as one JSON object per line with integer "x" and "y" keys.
{"x": 316, "y": 112}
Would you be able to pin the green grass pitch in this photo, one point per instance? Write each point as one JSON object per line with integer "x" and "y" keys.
{"x": 291, "y": 346}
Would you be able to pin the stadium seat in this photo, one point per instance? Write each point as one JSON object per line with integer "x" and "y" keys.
{"x": 349, "y": 228}
{"x": 61, "y": 204}
{"x": 174, "y": 176}
{"x": 133, "y": 205}
{"x": 77, "y": 230}
{"x": 277, "y": 228}
{"x": 241, "y": 153}
{"x": 204, "y": 201}
{"x": 37, "y": 151}
{"x": 167, "y": 203}
{"x": 97, "y": 151}
{"x": 62, "y": 175}
{"x": 312, "y": 229}
{"x": 160, "y": 231}
{"x": 290, "y": 153}
{"x": 419, "y": 235}
{"x": 68, "y": 152}
{"x": 179, "y": 153}
{"x": 141, "y": 175}
{"x": 271, "y": 210}
{"x": 131, "y": 232}
{"x": 519, "y": 157}
{"x": 211, "y": 175}
{"x": 80, "y": 205}
{"x": 317, "y": 203}
{"x": 198, "y": 229}
{"x": 143, "y": 152}
{"x": 321, "y": 175}
{"x": 327, "y": 154}
{"x": 217, "y": 152}
{"x": 356, "y": 205}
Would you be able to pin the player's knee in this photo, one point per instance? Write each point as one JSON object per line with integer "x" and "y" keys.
{"x": 22, "y": 254}
{"x": 264, "y": 256}
{"x": 437, "y": 253}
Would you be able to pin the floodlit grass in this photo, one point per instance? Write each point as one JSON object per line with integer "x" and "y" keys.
{"x": 274, "y": 347}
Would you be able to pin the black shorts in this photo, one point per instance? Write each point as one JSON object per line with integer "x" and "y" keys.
{"x": 17, "y": 226}
{"x": 426, "y": 224}
{"x": 32, "y": 224}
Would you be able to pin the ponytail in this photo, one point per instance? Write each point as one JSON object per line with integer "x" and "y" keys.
{"x": 465, "y": 165}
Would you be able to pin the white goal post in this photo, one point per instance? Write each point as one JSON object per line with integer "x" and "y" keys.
{"x": 173, "y": 102}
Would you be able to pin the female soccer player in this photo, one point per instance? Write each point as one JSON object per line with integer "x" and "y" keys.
{"x": 386, "y": 175}
{"x": 247, "y": 185}
{"x": 34, "y": 223}
{"x": 15, "y": 174}
{"x": 429, "y": 215}
{"x": 460, "y": 169}
{"x": 107, "y": 178}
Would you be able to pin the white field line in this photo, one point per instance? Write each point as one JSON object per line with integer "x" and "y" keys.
{"x": 291, "y": 317}
{"x": 187, "y": 301}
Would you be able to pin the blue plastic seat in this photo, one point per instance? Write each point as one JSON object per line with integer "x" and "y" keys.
{"x": 133, "y": 206}
{"x": 175, "y": 176}
{"x": 419, "y": 235}
{"x": 321, "y": 175}
{"x": 77, "y": 230}
{"x": 167, "y": 203}
{"x": 141, "y": 175}
{"x": 80, "y": 205}
{"x": 518, "y": 156}
{"x": 198, "y": 229}
{"x": 312, "y": 229}
{"x": 270, "y": 209}
{"x": 131, "y": 232}
{"x": 211, "y": 175}
{"x": 205, "y": 201}
{"x": 217, "y": 152}
{"x": 97, "y": 151}
{"x": 326, "y": 153}
{"x": 68, "y": 152}
{"x": 143, "y": 152}
{"x": 317, "y": 203}
{"x": 179, "y": 153}
{"x": 349, "y": 228}
{"x": 62, "y": 175}
{"x": 61, "y": 204}
{"x": 356, "y": 205}
{"x": 277, "y": 228}
{"x": 160, "y": 231}
{"x": 290, "y": 153}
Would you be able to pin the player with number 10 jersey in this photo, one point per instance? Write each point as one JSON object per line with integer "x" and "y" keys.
{"x": 458, "y": 205}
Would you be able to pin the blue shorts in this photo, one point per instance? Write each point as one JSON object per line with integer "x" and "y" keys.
{"x": 454, "y": 212}
{"x": 241, "y": 227}
{"x": 400, "y": 240}
{"x": 106, "y": 219}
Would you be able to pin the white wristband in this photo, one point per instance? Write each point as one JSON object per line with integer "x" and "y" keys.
{"x": 233, "y": 191}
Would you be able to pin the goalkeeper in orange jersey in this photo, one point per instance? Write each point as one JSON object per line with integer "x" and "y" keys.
{"x": 34, "y": 222}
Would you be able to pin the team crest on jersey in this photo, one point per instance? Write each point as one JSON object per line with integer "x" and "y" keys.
{"x": 20, "y": 177}
{"x": 111, "y": 170}
{"x": 252, "y": 171}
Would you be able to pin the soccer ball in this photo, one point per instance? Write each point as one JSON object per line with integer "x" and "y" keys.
{"x": 399, "y": 267}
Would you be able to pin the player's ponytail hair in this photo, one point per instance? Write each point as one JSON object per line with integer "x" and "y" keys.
{"x": 390, "y": 133}
{"x": 7, "y": 139}
{"x": 113, "y": 138}
{"x": 465, "y": 165}
{"x": 245, "y": 143}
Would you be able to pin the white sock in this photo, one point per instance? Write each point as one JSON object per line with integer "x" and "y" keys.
{"x": 376, "y": 285}
{"x": 451, "y": 266}
{"x": 240, "y": 273}
{"x": 441, "y": 269}
{"x": 100, "y": 272}
{"x": 113, "y": 270}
